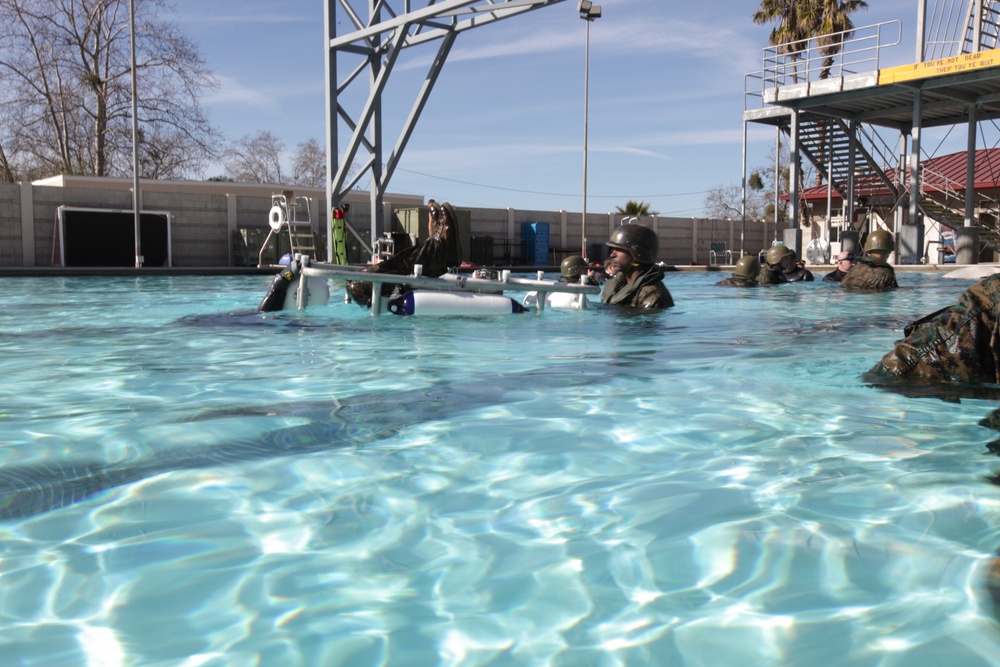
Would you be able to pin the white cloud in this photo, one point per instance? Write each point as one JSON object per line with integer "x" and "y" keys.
{"x": 232, "y": 91}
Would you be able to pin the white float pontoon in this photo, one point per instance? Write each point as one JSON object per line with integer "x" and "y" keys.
{"x": 451, "y": 294}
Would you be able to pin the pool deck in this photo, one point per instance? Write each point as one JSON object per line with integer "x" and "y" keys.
{"x": 974, "y": 270}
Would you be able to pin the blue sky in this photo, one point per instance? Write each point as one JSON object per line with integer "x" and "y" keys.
{"x": 504, "y": 126}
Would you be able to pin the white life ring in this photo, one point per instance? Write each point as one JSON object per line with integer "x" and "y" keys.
{"x": 276, "y": 218}
{"x": 818, "y": 251}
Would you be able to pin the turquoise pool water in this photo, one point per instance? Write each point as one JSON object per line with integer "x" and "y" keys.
{"x": 186, "y": 482}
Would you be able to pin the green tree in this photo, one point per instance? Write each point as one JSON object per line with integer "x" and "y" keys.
{"x": 832, "y": 24}
{"x": 637, "y": 208}
{"x": 791, "y": 27}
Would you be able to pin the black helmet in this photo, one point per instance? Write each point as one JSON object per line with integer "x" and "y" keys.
{"x": 747, "y": 266}
{"x": 572, "y": 267}
{"x": 637, "y": 240}
{"x": 775, "y": 254}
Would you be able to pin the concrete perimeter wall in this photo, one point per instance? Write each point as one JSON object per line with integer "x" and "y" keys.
{"x": 210, "y": 223}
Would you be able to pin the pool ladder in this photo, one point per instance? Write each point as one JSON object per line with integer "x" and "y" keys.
{"x": 284, "y": 214}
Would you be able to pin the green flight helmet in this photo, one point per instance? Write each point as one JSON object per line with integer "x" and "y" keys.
{"x": 775, "y": 254}
{"x": 880, "y": 239}
{"x": 747, "y": 266}
{"x": 637, "y": 240}
{"x": 572, "y": 267}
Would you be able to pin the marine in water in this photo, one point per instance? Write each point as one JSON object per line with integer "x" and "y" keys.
{"x": 638, "y": 280}
{"x": 959, "y": 344}
{"x": 744, "y": 274}
{"x": 872, "y": 271}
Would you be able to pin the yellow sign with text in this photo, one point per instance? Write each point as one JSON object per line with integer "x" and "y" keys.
{"x": 954, "y": 65}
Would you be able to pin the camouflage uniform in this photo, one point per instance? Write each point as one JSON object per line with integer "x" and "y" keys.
{"x": 647, "y": 291}
{"x": 769, "y": 276}
{"x": 958, "y": 344}
{"x": 870, "y": 273}
{"x": 737, "y": 281}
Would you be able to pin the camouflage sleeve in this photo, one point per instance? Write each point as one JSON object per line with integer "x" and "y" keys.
{"x": 957, "y": 344}
{"x": 865, "y": 276}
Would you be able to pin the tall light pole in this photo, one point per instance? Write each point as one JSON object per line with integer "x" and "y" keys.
{"x": 136, "y": 198}
{"x": 588, "y": 12}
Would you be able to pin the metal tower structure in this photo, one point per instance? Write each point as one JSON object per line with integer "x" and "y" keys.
{"x": 829, "y": 100}
{"x": 373, "y": 46}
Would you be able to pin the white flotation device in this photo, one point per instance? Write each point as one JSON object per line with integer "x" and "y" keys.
{"x": 818, "y": 251}
{"x": 556, "y": 300}
{"x": 318, "y": 292}
{"x": 276, "y": 218}
{"x": 433, "y": 302}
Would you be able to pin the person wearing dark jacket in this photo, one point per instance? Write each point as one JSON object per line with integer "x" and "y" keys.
{"x": 638, "y": 280}
{"x": 436, "y": 255}
{"x": 845, "y": 261}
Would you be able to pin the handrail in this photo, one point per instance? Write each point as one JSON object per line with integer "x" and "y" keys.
{"x": 860, "y": 50}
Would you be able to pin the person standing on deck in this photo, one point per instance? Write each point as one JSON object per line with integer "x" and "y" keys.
{"x": 637, "y": 281}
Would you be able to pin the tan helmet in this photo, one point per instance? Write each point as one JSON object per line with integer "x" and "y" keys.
{"x": 880, "y": 239}
{"x": 775, "y": 254}
{"x": 747, "y": 266}
{"x": 572, "y": 267}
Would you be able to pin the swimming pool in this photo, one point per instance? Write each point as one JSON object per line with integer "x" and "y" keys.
{"x": 186, "y": 482}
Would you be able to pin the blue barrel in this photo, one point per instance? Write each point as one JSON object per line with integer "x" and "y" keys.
{"x": 535, "y": 243}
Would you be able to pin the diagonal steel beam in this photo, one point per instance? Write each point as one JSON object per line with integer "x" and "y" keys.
{"x": 378, "y": 40}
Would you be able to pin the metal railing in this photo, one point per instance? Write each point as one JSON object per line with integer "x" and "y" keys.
{"x": 854, "y": 51}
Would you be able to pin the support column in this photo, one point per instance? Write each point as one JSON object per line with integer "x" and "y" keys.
{"x": 909, "y": 247}
{"x": 231, "y": 225}
{"x": 852, "y": 144}
{"x": 743, "y": 201}
{"x": 28, "y": 225}
{"x": 967, "y": 245}
{"x": 793, "y": 174}
{"x": 899, "y": 180}
{"x": 792, "y": 238}
{"x": 849, "y": 242}
{"x": 777, "y": 178}
{"x": 970, "y": 170}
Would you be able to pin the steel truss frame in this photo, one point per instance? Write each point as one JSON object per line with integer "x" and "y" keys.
{"x": 379, "y": 40}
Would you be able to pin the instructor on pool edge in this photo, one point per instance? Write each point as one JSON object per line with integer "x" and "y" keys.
{"x": 637, "y": 281}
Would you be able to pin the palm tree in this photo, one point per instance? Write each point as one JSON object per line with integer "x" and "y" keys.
{"x": 794, "y": 25}
{"x": 791, "y": 30}
{"x": 832, "y": 25}
{"x": 637, "y": 208}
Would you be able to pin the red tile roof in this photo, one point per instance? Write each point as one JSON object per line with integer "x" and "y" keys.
{"x": 947, "y": 171}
